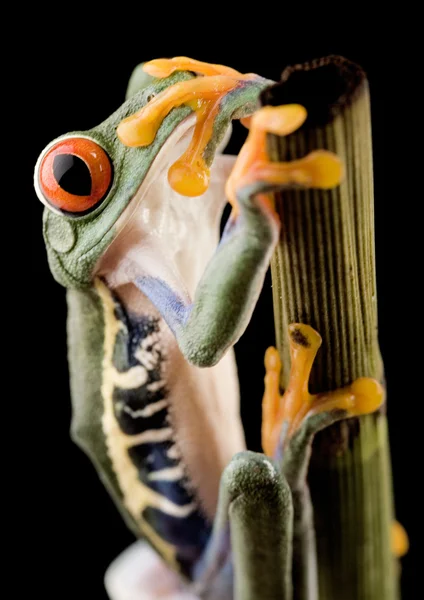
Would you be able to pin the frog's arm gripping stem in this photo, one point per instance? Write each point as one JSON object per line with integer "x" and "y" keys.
{"x": 228, "y": 291}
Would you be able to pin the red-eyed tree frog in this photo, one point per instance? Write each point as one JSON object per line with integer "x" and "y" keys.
{"x": 155, "y": 303}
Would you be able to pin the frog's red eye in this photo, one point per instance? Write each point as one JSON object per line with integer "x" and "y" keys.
{"x": 75, "y": 175}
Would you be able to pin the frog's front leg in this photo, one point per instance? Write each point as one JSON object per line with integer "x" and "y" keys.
{"x": 228, "y": 291}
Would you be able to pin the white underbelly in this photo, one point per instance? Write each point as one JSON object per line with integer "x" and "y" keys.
{"x": 204, "y": 405}
{"x": 204, "y": 408}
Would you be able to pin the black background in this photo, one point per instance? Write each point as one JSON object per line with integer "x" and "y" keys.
{"x": 74, "y": 76}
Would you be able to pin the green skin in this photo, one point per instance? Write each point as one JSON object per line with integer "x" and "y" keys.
{"x": 258, "y": 497}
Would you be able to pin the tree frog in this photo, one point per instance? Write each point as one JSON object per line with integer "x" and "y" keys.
{"x": 155, "y": 303}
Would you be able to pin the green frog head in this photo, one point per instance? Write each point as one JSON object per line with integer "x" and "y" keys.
{"x": 92, "y": 181}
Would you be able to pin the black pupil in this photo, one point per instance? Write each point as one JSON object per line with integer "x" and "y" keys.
{"x": 72, "y": 174}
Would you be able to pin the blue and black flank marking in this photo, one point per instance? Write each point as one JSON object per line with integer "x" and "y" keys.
{"x": 145, "y": 409}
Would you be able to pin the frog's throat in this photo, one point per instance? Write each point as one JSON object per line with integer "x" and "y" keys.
{"x": 319, "y": 169}
{"x": 119, "y": 264}
{"x": 158, "y": 230}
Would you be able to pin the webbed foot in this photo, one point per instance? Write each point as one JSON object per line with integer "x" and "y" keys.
{"x": 297, "y": 409}
{"x": 206, "y": 96}
{"x": 254, "y": 171}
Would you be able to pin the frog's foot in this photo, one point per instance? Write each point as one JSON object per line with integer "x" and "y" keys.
{"x": 400, "y": 541}
{"x": 206, "y": 96}
{"x": 298, "y": 411}
{"x": 255, "y": 173}
{"x": 140, "y": 574}
{"x": 164, "y": 67}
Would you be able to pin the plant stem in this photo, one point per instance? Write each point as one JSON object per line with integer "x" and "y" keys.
{"x": 323, "y": 274}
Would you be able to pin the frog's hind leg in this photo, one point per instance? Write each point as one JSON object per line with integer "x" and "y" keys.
{"x": 255, "y": 519}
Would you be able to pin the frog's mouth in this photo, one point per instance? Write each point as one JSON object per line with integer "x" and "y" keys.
{"x": 162, "y": 233}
